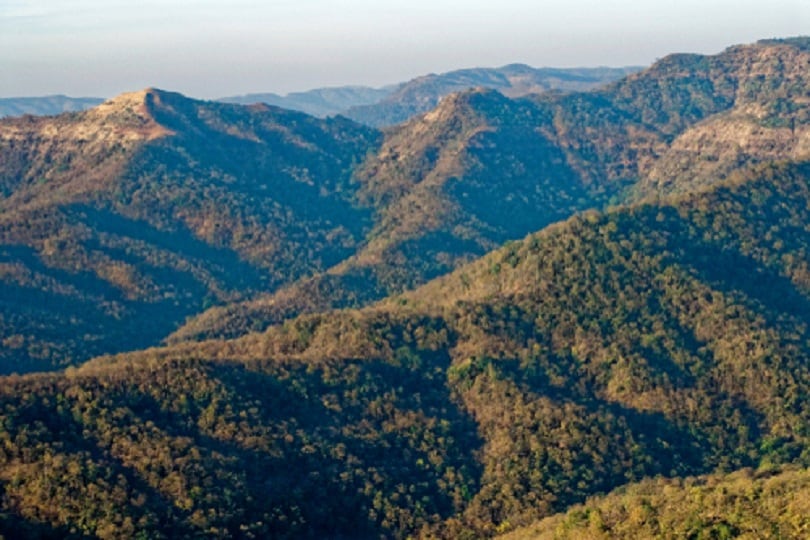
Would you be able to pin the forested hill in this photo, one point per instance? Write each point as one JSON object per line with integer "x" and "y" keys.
{"x": 447, "y": 187}
{"x": 668, "y": 338}
{"x": 689, "y": 120}
{"x": 118, "y": 222}
{"x": 122, "y": 223}
{"x": 481, "y": 169}
{"x": 769, "y": 502}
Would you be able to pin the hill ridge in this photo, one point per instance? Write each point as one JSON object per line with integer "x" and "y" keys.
{"x": 387, "y": 211}
{"x": 481, "y": 169}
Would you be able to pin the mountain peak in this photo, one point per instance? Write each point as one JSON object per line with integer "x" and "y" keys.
{"x": 127, "y": 99}
{"x": 470, "y": 101}
{"x": 132, "y": 112}
{"x": 140, "y": 98}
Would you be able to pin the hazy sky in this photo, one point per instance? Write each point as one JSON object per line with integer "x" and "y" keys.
{"x": 211, "y": 49}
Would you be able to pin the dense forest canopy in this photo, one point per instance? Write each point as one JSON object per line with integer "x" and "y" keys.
{"x": 562, "y": 316}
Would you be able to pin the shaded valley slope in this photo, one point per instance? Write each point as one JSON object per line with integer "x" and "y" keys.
{"x": 662, "y": 339}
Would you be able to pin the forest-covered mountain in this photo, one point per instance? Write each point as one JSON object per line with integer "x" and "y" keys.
{"x": 666, "y": 339}
{"x": 482, "y": 169}
{"x": 636, "y": 366}
{"x": 768, "y": 502}
{"x": 118, "y": 223}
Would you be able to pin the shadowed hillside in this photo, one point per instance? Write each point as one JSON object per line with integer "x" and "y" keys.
{"x": 118, "y": 222}
{"x": 663, "y": 339}
{"x": 481, "y": 169}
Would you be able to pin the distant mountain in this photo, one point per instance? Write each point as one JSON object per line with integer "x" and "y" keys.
{"x": 397, "y": 103}
{"x": 424, "y": 93}
{"x": 373, "y": 106}
{"x": 45, "y": 106}
{"x": 320, "y": 102}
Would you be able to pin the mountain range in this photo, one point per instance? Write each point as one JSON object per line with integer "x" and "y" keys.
{"x": 424, "y": 93}
{"x": 320, "y": 102}
{"x": 482, "y": 169}
{"x": 47, "y": 105}
{"x": 377, "y": 107}
{"x": 560, "y": 314}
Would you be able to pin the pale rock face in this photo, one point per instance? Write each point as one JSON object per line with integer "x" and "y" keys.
{"x": 752, "y": 131}
{"x": 80, "y": 151}
{"x": 123, "y": 119}
{"x": 130, "y": 113}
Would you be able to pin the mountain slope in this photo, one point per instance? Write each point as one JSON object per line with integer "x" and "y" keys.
{"x": 693, "y": 314}
{"x": 306, "y": 214}
{"x": 664, "y": 339}
{"x": 152, "y": 206}
{"x": 446, "y": 187}
{"x": 745, "y": 504}
{"x": 481, "y": 169}
{"x": 688, "y": 120}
